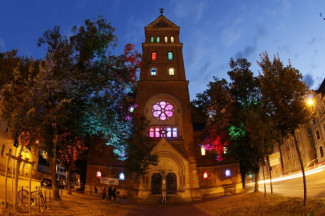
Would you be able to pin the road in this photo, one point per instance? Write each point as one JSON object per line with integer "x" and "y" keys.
{"x": 294, "y": 187}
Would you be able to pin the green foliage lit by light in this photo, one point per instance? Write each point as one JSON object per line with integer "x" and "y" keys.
{"x": 236, "y": 132}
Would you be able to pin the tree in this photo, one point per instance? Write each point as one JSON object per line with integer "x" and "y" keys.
{"x": 285, "y": 93}
{"x": 79, "y": 87}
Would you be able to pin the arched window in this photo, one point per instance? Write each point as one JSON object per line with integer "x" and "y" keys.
{"x": 317, "y": 134}
{"x": 321, "y": 151}
{"x": 171, "y": 71}
{"x": 153, "y": 72}
{"x": 166, "y": 39}
{"x": 154, "y": 56}
{"x": 158, "y": 39}
{"x": 152, "y": 39}
{"x": 172, "y": 39}
{"x": 170, "y": 56}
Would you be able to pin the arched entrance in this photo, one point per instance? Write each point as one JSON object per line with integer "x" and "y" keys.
{"x": 171, "y": 183}
{"x": 156, "y": 183}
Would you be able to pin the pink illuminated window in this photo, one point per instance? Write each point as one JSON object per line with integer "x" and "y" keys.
{"x": 163, "y": 110}
{"x": 161, "y": 131}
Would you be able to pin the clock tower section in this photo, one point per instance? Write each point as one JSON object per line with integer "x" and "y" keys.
{"x": 163, "y": 98}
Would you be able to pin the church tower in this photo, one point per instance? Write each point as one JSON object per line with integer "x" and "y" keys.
{"x": 163, "y": 98}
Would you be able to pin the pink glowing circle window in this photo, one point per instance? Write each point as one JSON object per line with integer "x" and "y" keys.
{"x": 163, "y": 110}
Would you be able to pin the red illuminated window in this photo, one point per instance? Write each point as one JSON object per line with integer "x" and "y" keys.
{"x": 154, "y": 56}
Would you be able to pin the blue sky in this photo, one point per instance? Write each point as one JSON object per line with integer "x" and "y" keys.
{"x": 212, "y": 31}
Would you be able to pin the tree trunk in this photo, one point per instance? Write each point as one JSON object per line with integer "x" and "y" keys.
{"x": 302, "y": 168}
{"x": 56, "y": 195}
{"x": 18, "y": 162}
{"x": 270, "y": 173}
{"x": 263, "y": 165}
{"x": 67, "y": 178}
{"x": 281, "y": 159}
{"x": 256, "y": 179}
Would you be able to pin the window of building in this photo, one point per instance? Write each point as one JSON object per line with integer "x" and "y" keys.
{"x": 166, "y": 39}
{"x": 171, "y": 71}
{"x": 314, "y": 121}
{"x": 321, "y": 151}
{"x": 153, "y": 72}
{"x": 228, "y": 172}
{"x": 162, "y": 110}
{"x": 203, "y": 151}
{"x": 317, "y": 135}
{"x": 158, "y": 39}
{"x": 2, "y": 149}
{"x": 170, "y": 56}
{"x": 172, "y": 39}
{"x": 154, "y": 56}
{"x": 163, "y": 131}
{"x": 152, "y": 39}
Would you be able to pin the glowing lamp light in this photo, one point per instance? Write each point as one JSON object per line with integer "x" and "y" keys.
{"x": 131, "y": 109}
{"x": 121, "y": 176}
{"x": 98, "y": 174}
{"x": 228, "y": 172}
{"x": 205, "y": 175}
{"x": 310, "y": 102}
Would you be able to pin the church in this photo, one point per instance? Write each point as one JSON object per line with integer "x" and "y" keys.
{"x": 185, "y": 170}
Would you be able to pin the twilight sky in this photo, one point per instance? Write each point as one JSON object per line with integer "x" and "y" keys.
{"x": 212, "y": 31}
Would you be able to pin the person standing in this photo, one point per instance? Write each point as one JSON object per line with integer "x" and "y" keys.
{"x": 110, "y": 193}
{"x": 164, "y": 195}
{"x": 114, "y": 193}
{"x": 104, "y": 192}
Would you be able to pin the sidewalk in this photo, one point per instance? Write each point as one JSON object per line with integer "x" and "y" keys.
{"x": 242, "y": 205}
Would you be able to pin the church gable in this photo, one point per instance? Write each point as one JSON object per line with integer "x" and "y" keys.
{"x": 161, "y": 22}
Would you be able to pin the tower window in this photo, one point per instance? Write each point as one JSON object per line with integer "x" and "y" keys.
{"x": 158, "y": 39}
{"x": 203, "y": 152}
{"x": 163, "y": 110}
{"x": 154, "y": 56}
{"x": 172, "y": 39}
{"x": 321, "y": 151}
{"x": 317, "y": 134}
{"x": 166, "y": 39}
{"x": 171, "y": 71}
{"x": 152, "y": 39}
{"x": 153, "y": 72}
{"x": 170, "y": 56}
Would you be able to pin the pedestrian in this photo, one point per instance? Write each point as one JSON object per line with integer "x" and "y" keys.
{"x": 110, "y": 193}
{"x": 104, "y": 192}
{"x": 164, "y": 196}
{"x": 96, "y": 190}
{"x": 114, "y": 193}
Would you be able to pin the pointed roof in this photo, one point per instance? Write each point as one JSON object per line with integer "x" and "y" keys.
{"x": 161, "y": 23}
{"x": 321, "y": 88}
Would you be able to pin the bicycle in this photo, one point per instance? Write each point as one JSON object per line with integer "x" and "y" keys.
{"x": 35, "y": 196}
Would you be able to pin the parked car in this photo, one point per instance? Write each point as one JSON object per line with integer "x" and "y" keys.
{"x": 45, "y": 182}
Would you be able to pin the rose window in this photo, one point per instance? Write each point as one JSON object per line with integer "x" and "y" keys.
{"x": 163, "y": 110}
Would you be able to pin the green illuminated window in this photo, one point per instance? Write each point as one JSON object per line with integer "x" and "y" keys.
{"x": 158, "y": 39}
{"x": 170, "y": 56}
{"x": 152, "y": 39}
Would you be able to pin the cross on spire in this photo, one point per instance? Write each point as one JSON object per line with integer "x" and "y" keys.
{"x": 161, "y": 11}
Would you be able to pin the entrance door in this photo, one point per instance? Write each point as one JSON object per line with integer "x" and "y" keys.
{"x": 156, "y": 183}
{"x": 171, "y": 183}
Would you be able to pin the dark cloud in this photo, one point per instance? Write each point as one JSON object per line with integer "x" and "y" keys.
{"x": 246, "y": 52}
{"x": 308, "y": 78}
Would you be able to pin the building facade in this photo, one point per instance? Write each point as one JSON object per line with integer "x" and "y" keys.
{"x": 163, "y": 98}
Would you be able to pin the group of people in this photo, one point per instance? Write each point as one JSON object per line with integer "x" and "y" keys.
{"x": 112, "y": 193}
